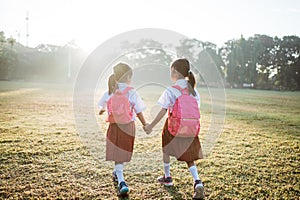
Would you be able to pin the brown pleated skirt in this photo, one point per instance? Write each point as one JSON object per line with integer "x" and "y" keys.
{"x": 182, "y": 148}
{"x": 120, "y": 142}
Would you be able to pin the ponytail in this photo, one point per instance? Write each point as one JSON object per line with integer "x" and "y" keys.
{"x": 112, "y": 84}
{"x": 191, "y": 83}
{"x": 182, "y": 66}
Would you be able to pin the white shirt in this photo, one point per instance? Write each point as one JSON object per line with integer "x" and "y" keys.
{"x": 102, "y": 103}
{"x": 134, "y": 99}
{"x": 169, "y": 96}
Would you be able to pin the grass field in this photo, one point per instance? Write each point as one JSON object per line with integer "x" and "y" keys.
{"x": 41, "y": 155}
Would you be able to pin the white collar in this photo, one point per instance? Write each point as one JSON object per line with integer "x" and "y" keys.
{"x": 122, "y": 86}
{"x": 181, "y": 82}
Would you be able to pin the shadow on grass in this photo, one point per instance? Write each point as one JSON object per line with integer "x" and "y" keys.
{"x": 174, "y": 192}
{"x": 124, "y": 197}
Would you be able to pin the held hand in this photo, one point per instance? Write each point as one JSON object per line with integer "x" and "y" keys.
{"x": 147, "y": 128}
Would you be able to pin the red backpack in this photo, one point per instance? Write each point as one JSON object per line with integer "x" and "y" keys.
{"x": 184, "y": 121}
{"x": 118, "y": 107}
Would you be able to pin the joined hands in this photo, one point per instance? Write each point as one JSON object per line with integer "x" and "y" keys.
{"x": 147, "y": 128}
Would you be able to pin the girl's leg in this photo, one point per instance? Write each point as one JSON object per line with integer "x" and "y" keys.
{"x": 167, "y": 167}
{"x": 166, "y": 158}
{"x": 193, "y": 170}
{"x": 119, "y": 167}
{"x": 166, "y": 179}
{"x": 198, "y": 185}
{"x": 123, "y": 188}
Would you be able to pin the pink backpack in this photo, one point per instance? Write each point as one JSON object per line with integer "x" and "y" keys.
{"x": 118, "y": 107}
{"x": 184, "y": 121}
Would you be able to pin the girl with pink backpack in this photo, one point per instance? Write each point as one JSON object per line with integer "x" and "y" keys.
{"x": 181, "y": 129}
{"x": 123, "y": 104}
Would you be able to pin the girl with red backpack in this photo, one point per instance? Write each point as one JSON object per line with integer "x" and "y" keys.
{"x": 122, "y": 103}
{"x": 181, "y": 129}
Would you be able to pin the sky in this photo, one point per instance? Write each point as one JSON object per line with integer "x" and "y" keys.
{"x": 89, "y": 23}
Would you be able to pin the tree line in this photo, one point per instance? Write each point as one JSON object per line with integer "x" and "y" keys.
{"x": 45, "y": 62}
{"x": 260, "y": 61}
{"x": 264, "y": 61}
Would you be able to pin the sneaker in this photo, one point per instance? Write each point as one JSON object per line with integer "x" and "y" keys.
{"x": 198, "y": 190}
{"x": 114, "y": 176}
{"x": 166, "y": 181}
{"x": 123, "y": 188}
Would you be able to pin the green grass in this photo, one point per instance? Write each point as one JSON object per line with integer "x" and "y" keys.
{"x": 42, "y": 156}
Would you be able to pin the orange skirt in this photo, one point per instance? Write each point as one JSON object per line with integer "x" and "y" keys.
{"x": 120, "y": 142}
{"x": 182, "y": 148}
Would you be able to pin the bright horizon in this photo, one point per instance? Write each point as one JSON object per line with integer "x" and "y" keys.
{"x": 89, "y": 23}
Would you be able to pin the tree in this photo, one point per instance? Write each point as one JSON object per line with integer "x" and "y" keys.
{"x": 8, "y": 57}
{"x": 286, "y": 62}
{"x": 265, "y": 62}
{"x": 147, "y": 57}
{"x": 243, "y": 60}
{"x": 208, "y": 63}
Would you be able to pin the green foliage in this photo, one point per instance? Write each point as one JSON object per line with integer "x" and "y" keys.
{"x": 205, "y": 58}
{"x": 8, "y": 57}
{"x": 44, "y": 63}
{"x": 144, "y": 52}
{"x": 147, "y": 57}
{"x": 269, "y": 63}
{"x": 287, "y": 55}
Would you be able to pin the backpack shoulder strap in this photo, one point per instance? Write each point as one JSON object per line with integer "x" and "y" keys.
{"x": 118, "y": 91}
{"x": 182, "y": 90}
{"x": 177, "y": 87}
{"x": 127, "y": 90}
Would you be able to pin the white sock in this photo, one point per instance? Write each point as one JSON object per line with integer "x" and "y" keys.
{"x": 167, "y": 169}
{"x": 119, "y": 171}
{"x": 194, "y": 172}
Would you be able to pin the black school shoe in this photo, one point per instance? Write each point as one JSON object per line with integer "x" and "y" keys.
{"x": 198, "y": 190}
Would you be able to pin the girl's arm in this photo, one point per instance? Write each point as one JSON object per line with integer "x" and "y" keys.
{"x": 103, "y": 103}
{"x": 141, "y": 118}
{"x": 158, "y": 117}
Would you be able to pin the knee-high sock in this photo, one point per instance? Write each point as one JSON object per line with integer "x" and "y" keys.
{"x": 119, "y": 171}
{"x": 167, "y": 169}
{"x": 194, "y": 172}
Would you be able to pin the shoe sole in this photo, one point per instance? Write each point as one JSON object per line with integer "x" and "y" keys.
{"x": 199, "y": 193}
{"x": 166, "y": 184}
